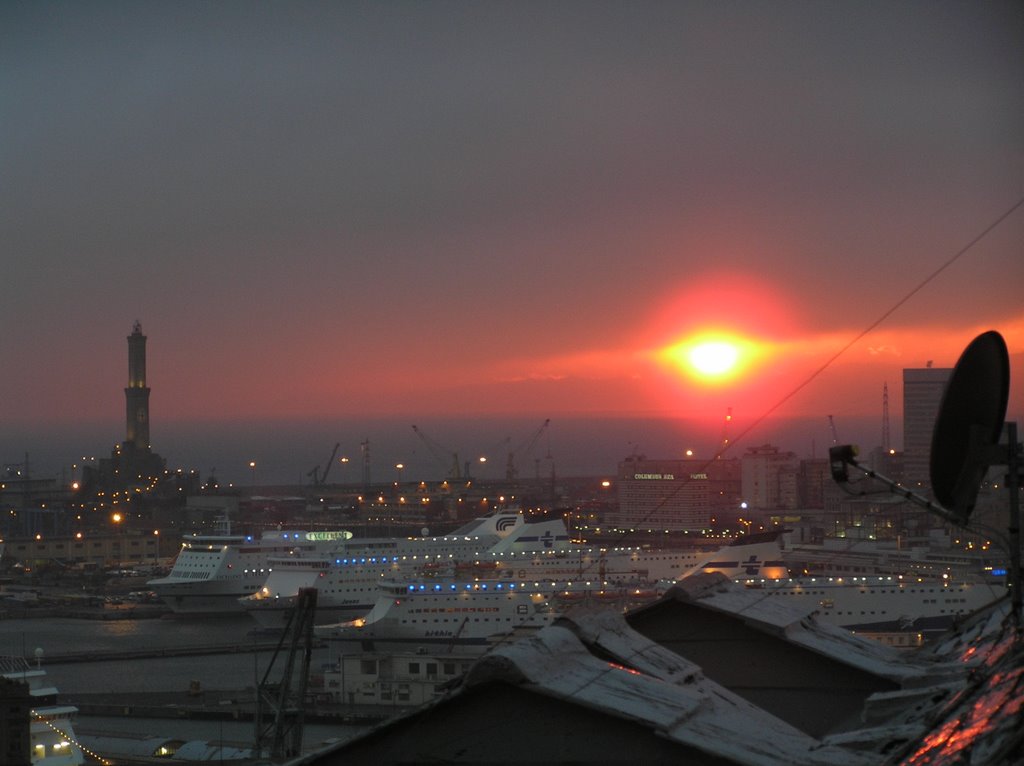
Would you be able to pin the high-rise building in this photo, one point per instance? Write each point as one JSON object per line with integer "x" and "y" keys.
{"x": 770, "y": 478}
{"x": 675, "y": 495}
{"x": 922, "y": 395}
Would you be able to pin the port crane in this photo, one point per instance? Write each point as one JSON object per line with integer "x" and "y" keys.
{"x": 511, "y": 472}
{"x": 318, "y": 478}
{"x": 441, "y": 453}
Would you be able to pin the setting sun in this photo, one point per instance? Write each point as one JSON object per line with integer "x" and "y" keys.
{"x": 714, "y": 358}
{"x": 710, "y": 357}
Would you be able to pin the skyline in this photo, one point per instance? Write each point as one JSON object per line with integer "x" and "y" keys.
{"x": 334, "y": 214}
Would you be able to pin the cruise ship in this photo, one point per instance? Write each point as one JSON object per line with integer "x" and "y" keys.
{"x": 451, "y": 617}
{"x": 52, "y": 737}
{"x": 538, "y": 549}
{"x": 468, "y": 616}
{"x": 212, "y": 572}
{"x": 348, "y": 577}
{"x": 871, "y": 604}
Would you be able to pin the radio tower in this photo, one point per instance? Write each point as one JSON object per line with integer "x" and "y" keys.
{"x": 885, "y": 418}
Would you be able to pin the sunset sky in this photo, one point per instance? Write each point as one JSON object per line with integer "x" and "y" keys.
{"x": 337, "y": 210}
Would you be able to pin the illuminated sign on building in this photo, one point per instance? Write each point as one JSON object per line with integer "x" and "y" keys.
{"x": 654, "y": 476}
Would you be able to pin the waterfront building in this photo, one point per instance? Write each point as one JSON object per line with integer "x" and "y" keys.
{"x": 813, "y": 478}
{"x": 89, "y": 549}
{"x": 770, "y": 478}
{"x": 922, "y": 395}
{"x": 388, "y": 679}
{"x": 675, "y": 495}
{"x": 15, "y": 738}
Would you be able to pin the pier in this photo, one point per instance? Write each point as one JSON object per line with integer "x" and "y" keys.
{"x": 234, "y": 705}
{"x": 175, "y": 651}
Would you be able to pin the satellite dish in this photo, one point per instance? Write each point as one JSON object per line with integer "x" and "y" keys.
{"x": 969, "y": 423}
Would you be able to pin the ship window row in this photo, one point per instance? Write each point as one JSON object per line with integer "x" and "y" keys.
{"x": 804, "y": 592}
{"x": 431, "y": 668}
{"x": 445, "y": 619}
{"x": 454, "y": 609}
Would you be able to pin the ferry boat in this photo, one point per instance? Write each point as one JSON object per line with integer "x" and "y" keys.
{"x": 452, "y": 616}
{"x": 455, "y": 615}
{"x": 624, "y": 565}
{"x": 537, "y": 550}
{"x": 348, "y": 578}
{"x": 885, "y": 603}
{"x": 869, "y": 604}
{"x": 51, "y": 731}
{"x": 212, "y": 572}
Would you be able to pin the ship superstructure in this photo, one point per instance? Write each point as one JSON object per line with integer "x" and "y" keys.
{"x": 347, "y": 578}
{"x": 448, "y": 617}
{"x": 212, "y": 572}
{"x": 538, "y": 549}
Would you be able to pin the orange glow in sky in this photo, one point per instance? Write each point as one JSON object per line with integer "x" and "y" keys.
{"x": 710, "y": 358}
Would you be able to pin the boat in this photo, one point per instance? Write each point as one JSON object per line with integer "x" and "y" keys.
{"x": 467, "y": 615}
{"x": 451, "y": 617}
{"x": 52, "y": 740}
{"x": 211, "y": 572}
{"x": 538, "y": 549}
{"x": 347, "y": 578}
{"x": 919, "y": 557}
{"x": 867, "y": 604}
{"x": 883, "y": 604}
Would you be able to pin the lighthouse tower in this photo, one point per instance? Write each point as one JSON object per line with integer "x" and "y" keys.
{"x": 136, "y": 395}
{"x": 132, "y": 464}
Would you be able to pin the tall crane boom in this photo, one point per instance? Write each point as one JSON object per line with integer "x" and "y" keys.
{"x": 321, "y": 478}
{"x": 441, "y": 454}
{"x": 524, "y": 450}
{"x": 330, "y": 462}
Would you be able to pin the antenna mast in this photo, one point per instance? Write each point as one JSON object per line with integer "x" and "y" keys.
{"x": 724, "y": 443}
{"x": 885, "y": 417}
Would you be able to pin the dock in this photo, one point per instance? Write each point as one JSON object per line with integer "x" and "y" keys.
{"x": 170, "y": 651}
{"x": 233, "y": 705}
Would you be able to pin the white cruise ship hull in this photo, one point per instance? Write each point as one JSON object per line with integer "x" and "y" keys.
{"x": 883, "y": 603}
{"x": 212, "y": 572}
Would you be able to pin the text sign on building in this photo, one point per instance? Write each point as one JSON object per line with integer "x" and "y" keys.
{"x": 654, "y": 476}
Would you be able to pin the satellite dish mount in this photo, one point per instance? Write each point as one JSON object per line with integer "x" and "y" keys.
{"x": 965, "y": 444}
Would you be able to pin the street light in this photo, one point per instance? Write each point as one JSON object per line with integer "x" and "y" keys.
{"x": 117, "y": 518}
{"x": 252, "y": 465}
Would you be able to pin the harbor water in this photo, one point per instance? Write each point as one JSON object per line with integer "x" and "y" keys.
{"x": 238, "y": 671}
